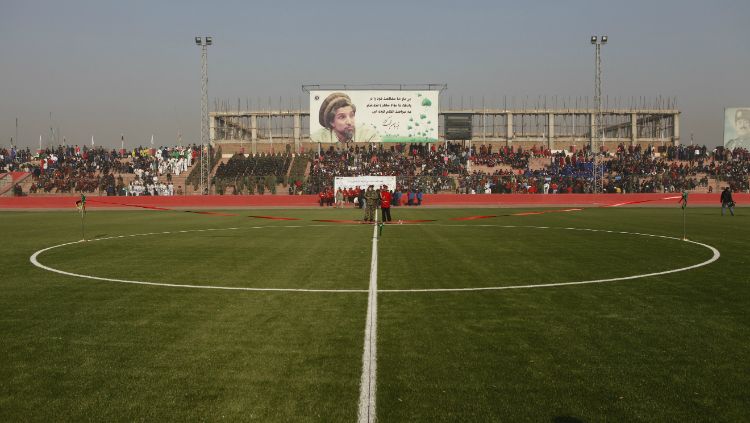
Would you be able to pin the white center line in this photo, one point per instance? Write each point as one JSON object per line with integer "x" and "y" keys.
{"x": 367, "y": 385}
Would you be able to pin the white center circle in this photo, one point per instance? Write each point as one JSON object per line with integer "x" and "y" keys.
{"x": 715, "y": 256}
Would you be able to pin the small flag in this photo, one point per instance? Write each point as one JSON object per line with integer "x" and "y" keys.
{"x": 684, "y": 199}
{"x": 81, "y": 204}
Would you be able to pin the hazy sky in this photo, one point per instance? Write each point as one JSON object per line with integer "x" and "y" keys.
{"x": 131, "y": 67}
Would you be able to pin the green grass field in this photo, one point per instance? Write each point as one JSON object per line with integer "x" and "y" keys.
{"x": 669, "y": 347}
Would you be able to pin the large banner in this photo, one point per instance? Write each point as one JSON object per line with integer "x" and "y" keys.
{"x": 373, "y": 116}
{"x": 346, "y": 182}
{"x": 737, "y": 127}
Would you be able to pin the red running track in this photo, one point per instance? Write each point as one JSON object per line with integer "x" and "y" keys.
{"x": 292, "y": 201}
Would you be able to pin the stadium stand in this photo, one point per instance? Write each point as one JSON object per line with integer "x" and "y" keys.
{"x": 72, "y": 169}
{"x": 435, "y": 168}
{"x": 265, "y": 171}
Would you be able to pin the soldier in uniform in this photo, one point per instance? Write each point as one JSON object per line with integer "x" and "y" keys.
{"x": 371, "y": 203}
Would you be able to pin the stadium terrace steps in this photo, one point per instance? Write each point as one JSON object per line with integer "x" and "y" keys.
{"x": 289, "y": 169}
{"x": 538, "y": 163}
{"x": 127, "y": 178}
{"x": 6, "y": 183}
{"x": 12, "y": 178}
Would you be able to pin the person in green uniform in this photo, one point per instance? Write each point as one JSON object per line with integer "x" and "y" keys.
{"x": 371, "y": 203}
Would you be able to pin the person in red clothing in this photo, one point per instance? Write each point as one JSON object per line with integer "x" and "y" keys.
{"x": 385, "y": 203}
{"x": 321, "y": 198}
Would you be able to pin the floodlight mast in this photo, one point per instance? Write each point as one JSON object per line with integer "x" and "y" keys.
{"x": 205, "y": 181}
{"x": 597, "y": 137}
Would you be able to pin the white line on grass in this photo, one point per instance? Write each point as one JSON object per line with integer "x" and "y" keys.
{"x": 367, "y": 384}
{"x": 713, "y": 258}
{"x": 34, "y": 260}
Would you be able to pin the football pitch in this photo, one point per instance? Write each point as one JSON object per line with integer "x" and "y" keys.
{"x": 601, "y": 314}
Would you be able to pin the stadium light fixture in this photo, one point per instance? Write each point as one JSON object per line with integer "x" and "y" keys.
{"x": 597, "y": 138}
{"x": 205, "y": 179}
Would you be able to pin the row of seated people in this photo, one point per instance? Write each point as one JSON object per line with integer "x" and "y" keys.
{"x": 416, "y": 162}
{"x": 627, "y": 170}
{"x": 257, "y": 165}
{"x": 145, "y": 183}
{"x": 480, "y": 182}
{"x": 76, "y": 169}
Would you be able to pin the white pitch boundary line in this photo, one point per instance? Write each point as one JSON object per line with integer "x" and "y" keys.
{"x": 713, "y": 258}
{"x": 34, "y": 260}
{"x": 368, "y": 381}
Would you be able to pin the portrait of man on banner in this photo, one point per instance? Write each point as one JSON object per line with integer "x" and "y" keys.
{"x": 737, "y": 128}
{"x": 337, "y": 117}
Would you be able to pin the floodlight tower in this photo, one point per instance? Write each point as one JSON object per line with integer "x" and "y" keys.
{"x": 597, "y": 138}
{"x": 205, "y": 182}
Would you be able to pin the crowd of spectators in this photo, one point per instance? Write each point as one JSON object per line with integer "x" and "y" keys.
{"x": 516, "y": 159}
{"x": 417, "y": 166}
{"x": 262, "y": 171}
{"x": 68, "y": 169}
{"x": 426, "y": 168}
{"x": 11, "y": 160}
{"x": 631, "y": 169}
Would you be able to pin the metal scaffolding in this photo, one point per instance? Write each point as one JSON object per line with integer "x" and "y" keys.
{"x": 597, "y": 139}
{"x": 551, "y": 122}
{"x": 205, "y": 181}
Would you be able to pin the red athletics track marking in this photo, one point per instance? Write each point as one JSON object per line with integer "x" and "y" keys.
{"x": 472, "y": 217}
{"x": 276, "y": 218}
{"x": 357, "y": 222}
{"x": 128, "y": 205}
{"x": 211, "y": 213}
{"x": 161, "y": 208}
{"x": 529, "y": 213}
{"x": 544, "y": 212}
{"x": 679, "y": 197}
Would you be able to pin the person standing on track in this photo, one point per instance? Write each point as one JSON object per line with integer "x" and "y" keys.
{"x": 371, "y": 203}
{"x": 385, "y": 203}
{"x": 727, "y": 201}
{"x": 339, "y": 199}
